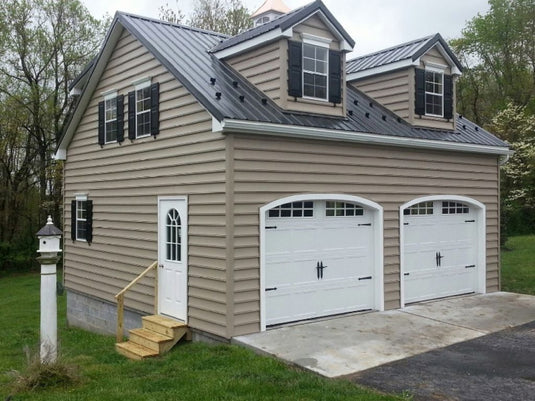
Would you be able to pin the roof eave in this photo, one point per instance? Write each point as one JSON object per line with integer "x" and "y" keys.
{"x": 228, "y": 126}
{"x": 353, "y": 76}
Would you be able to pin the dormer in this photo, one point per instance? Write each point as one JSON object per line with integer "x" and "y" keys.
{"x": 268, "y": 11}
{"x": 416, "y": 80}
{"x": 297, "y": 60}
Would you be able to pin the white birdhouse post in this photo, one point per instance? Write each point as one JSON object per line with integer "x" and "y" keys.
{"x": 49, "y": 248}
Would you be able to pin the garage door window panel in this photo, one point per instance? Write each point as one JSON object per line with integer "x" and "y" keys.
{"x": 293, "y": 209}
{"x": 342, "y": 209}
{"x": 454, "y": 208}
{"x": 420, "y": 209}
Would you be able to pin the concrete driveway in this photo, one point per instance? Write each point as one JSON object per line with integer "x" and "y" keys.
{"x": 346, "y": 345}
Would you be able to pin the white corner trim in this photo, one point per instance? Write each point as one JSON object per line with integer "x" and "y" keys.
{"x": 254, "y": 42}
{"x": 481, "y": 214}
{"x": 248, "y": 127}
{"x": 378, "y": 243}
{"x": 382, "y": 69}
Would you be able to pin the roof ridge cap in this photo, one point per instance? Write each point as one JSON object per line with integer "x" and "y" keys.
{"x": 424, "y": 39}
{"x": 181, "y": 26}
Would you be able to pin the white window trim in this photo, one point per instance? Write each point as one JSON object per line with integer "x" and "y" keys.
{"x": 436, "y": 71}
{"x": 319, "y": 42}
{"x": 139, "y": 84}
{"x": 79, "y": 198}
{"x": 108, "y": 95}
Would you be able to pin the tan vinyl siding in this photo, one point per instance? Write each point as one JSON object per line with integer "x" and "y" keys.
{"x": 270, "y": 168}
{"x": 264, "y": 67}
{"x": 391, "y": 90}
{"x": 124, "y": 182}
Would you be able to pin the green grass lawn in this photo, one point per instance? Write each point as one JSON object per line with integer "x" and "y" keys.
{"x": 191, "y": 371}
{"x": 518, "y": 265}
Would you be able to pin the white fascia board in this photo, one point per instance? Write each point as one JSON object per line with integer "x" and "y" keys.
{"x": 254, "y": 42}
{"x": 109, "y": 47}
{"x": 382, "y": 69}
{"x": 454, "y": 69}
{"x": 344, "y": 44}
{"x": 248, "y": 127}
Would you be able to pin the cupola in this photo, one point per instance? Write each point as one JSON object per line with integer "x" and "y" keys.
{"x": 268, "y": 11}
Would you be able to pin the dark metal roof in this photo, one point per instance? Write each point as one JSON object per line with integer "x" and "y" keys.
{"x": 410, "y": 50}
{"x": 185, "y": 52}
{"x": 284, "y": 22}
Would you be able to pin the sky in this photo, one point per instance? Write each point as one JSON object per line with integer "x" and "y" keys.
{"x": 373, "y": 24}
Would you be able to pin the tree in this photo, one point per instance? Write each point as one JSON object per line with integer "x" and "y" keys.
{"x": 497, "y": 91}
{"x": 44, "y": 45}
{"x": 224, "y": 16}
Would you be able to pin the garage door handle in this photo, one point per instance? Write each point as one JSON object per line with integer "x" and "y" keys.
{"x": 271, "y": 289}
{"x": 365, "y": 278}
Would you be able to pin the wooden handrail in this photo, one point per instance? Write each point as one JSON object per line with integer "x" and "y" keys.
{"x": 120, "y": 298}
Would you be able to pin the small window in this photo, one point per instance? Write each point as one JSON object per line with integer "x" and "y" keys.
{"x": 454, "y": 208}
{"x": 434, "y": 90}
{"x": 315, "y": 71}
{"x": 342, "y": 209}
{"x": 110, "y": 123}
{"x": 81, "y": 219}
{"x": 420, "y": 209}
{"x": 293, "y": 209}
{"x": 173, "y": 240}
{"x": 143, "y": 111}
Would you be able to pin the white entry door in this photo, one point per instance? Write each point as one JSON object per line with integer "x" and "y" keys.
{"x": 172, "y": 257}
{"x": 440, "y": 250}
{"x": 319, "y": 260}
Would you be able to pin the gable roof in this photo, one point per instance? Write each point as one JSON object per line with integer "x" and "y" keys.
{"x": 279, "y": 27}
{"x": 399, "y": 56}
{"x": 185, "y": 53}
{"x": 271, "y": 5}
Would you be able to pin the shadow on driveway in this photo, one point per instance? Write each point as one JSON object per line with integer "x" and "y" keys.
{"x": 498, "y": 366}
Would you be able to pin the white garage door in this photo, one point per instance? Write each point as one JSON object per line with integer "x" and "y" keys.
{"x": 440, "y": 250}
{"x": 319, "y": 260}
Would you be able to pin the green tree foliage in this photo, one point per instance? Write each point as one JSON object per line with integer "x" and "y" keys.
{"x": 224, "y": 16}
{"x": 44, "y": 45}
{"x": 497, "y": 90}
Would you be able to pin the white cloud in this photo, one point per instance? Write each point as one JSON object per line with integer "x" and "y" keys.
{"x": 373, "y": 24}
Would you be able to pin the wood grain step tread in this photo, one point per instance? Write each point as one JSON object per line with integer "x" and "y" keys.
{"x": 164, "y": 321}
{"x": 134, "y": 351}
{"x": 151, "y": 335}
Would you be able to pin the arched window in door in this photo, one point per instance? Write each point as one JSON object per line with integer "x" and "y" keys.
{"x": 173, "y": 236}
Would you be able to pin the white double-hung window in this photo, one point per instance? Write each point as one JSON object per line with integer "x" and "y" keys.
{"x": 110, "y": 117}
{"x": 315, "y": 67}
{"x": 143, "y": 102}
{"x": 434, "y": 91}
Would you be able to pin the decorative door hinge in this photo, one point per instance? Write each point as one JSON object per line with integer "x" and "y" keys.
{"x": 271, "y": 227}
{"x": 365, "y": 224}
{"x": 271, "y": 289}
{"x": 365, "y": 278}
{"x": 469, "y": 221}
{"x": 469, "y": 266}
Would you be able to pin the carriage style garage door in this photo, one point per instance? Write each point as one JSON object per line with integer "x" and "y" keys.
{"x": 440, "y": 245}
{"x": 319, "y": 260}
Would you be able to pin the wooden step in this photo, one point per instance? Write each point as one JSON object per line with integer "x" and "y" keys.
{"x": 152, "y": 340}
{"x": 135, "y": 351}
{"x": 165, "y": 326}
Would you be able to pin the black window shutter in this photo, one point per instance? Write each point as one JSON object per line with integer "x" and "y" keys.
{"x": 73, "y": 220}
{"x": 155, "y": 108}
{"x": 419, "y": 103}
{"x": 89, "y": 221}
{"x": 120, "y": 118}
{"x": 295, "y": 69}
{"x": 132, "y": 115}
{"x": 101, "y": 123}
{"x": 448, "y": 97}
{"x": 335, "y": 76}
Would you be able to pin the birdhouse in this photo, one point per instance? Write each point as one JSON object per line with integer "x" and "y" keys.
{"x": 49, "y": 238}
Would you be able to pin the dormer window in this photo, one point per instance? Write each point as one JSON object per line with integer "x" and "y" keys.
{"x": 434, "y": 93}
{"x": 262, "y": 21}
{"x": 315, "y": 68}
{"x": 314, "y": 71}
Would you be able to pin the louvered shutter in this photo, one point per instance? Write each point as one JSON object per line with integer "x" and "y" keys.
{"x": 335, "y": 76}
{"x": 448, "y": 97}
{"x": 73, "y": 220}
{"x": 101, "y": 124}
{"x": 295, "y": 69}
{"x": 120, "y": 118}
{"x": 89, "y": 221}
{"x": 132, "y": 115}
{"x": 419, "y": 102}
{"x": 155, "y": 108}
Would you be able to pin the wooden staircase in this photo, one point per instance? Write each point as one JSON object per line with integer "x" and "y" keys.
{"x": 158, "y": 335}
